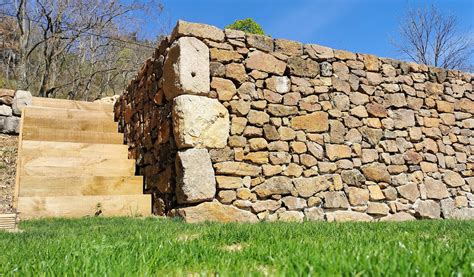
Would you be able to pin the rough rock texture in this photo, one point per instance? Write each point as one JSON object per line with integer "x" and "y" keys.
{"x": 11, "y": 104}
{"x": 200, "y": 122}
{"x": 186, "y": 68}
{"x": 195, "y": 180}
{"x": 313, "y": 132}
{"x": 215, "y": 211}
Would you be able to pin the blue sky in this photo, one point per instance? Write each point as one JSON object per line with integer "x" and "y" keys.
{"x": 364, "y": 26}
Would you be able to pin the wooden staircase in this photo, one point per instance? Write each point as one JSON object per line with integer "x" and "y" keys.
{"x": 72, "y": 163}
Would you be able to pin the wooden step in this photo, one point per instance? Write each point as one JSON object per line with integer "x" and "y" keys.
{"x": 76, "y": 186}
{"x": 8, "y": 222}
{"x": 68, "y": 166}
{"x": 46, "y": 134}
{"x": 104, "y": 125}
{"x": 70, "y": 104}
{"x": 78, "y": 206}
{"x": 70, "y": 114}
{"x": 33, "y": 148}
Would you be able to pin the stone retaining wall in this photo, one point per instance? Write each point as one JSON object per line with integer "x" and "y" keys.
{"x": 11, "y": 103}
{"x": 234, "y": 127}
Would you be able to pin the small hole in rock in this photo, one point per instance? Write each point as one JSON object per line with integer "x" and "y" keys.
{"x": 193, "y": 74}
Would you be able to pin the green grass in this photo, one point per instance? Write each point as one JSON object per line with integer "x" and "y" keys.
{"x": 133, "y": 246}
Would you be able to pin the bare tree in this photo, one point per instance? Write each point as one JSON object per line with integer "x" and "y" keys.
{"x": 432, "y": 38}
{"x": 80, "y": 49}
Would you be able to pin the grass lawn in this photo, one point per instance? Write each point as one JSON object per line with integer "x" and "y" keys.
{"x": 133, "y": 246}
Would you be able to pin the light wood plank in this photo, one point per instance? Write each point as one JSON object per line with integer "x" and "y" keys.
{"x": 98, "y": 125}
{"x": 33, "y": 148}
{"x": 54, "y": 113}
{"x": 78, "y": 206}
{"x": 68, "y": 166}
{"x": 70, "y": 104}
{"x": 76, "y": 186}
{"x": 46, "y": 134}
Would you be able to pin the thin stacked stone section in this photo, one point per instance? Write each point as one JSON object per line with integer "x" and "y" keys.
{"x": 317, "y": 133}
{"x": 11, "y": 104}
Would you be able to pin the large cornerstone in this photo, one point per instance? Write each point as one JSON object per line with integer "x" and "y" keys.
{"x": 227, "y": 126}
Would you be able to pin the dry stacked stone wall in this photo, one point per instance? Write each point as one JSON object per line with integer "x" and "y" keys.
{"x": 237, "y": 127}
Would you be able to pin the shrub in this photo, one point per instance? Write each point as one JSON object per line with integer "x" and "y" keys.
{"x": 247, "y": 25}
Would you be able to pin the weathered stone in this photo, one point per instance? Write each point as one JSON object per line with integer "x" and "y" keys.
{"x": 353, "y": 177}
{"x": 303, "y": 68}
{"x": 281, "y": 110}
{"x": 222, "y": 55}
{"x": 225, "y": 88}
{"x": 266, "y": 205}
{"x": 376, "y": 172}
{"x": 265, "y": 62}
{"x": 307, "y": 187}
{"x": 435, "y": 189}
{"x": 340, "y": 85}
{"x": 453, "y": 179}
{"x": 226, "y": 196}
{"x": 358, "y": 196}
{"x": 215, "y": 211}
{"x": 395, "y": 99}
{"x": 371, "y": 62}
{"x": 346, "y": 216}
{"x": 258, "y": 118}
{"x": 412, "y": 157}
{"x": 344, "y": 55}
{"x": 186, "y": 68}
{"x": 372, "y": 135}
{"x": 434, "y": 88}
{"x": 276, "y": 185}
{"x": 5, "y": 110}
{"x": 294, "y": 203}
{"x": 326, "y": 69}
{"x": 260, "y": 42}
{"x": 200, "y": 122}
{"x": 195, "y": 181}
{"x": 10, "y": 124}
{"x": 375, "y": 193}
{"x": 378, "y": 208}
{"x": 335, "y": 199}
{"x": 401, "y": 216}
{"x": 314, "y": 214}
{"x": 280, "y": 84}
{"x": 6, "y": 96}
{"x": 427, "y": 209}
{"x": 374, "y": 79}
{"x": 314, "y": 122}
{"x": 376, "y": 110}
{"x": 291, "y": 216}
{"x": 237, "y": 168}
{"x": 236, "y": 71}
{"x": 227, "y": 182}
{"x": 403, "y": 118}
{"x": 409, "y": 191}
{"x": 288, "y": 47}
{"x": 337, "y": 151}
{"x": 318, "y": 52}
{"x": 202, "y": 31}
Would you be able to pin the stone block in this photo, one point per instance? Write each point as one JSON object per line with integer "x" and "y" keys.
{"x": 195, "y": 180}
{"x": 215, "y": 212}
{"x": 186, "y": 68}
{"x": 22, "y": 99}
{"x": 202, "y": 31}
{"x": 200, "y": 122}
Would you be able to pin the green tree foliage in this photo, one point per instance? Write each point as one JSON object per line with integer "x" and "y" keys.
{"x": 247, "y": 25}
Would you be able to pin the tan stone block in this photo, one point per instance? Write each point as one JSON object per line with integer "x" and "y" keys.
{"x": 337, "y": 151}
{"x": 314, "y": 122}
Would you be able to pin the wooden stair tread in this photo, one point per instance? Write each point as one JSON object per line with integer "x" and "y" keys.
{"x": 80, "y": 185}
{"x": 71, "y": 114}
{"x": 71, "y": 104}
{"x": 78, "y": 206}
{"x": 46, "y": 134}
{"x": 72, "y": 124}
{"x": 34, "y": 148}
